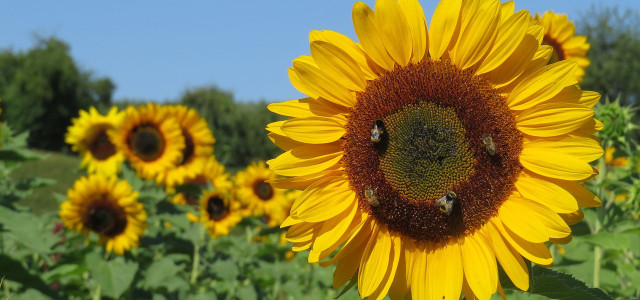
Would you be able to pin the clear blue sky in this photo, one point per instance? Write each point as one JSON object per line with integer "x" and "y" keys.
{"x": 155, "y": 50}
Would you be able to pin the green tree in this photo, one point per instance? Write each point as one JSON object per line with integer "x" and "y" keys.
{"x": 239, "y": 127}
{"x": 43, "y": 89}
{"x": 615, "y": 52}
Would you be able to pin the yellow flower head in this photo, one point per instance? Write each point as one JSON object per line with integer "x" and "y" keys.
{"x": 107, "y": 207}
{"x": 256, "y": 193}
{"x": 198, "y": 146}
{"x": 559, "y": 33}
{"x": 88, "y": 136}
{"x": 151, "y": 140}
{"x": 211, "y": 172}
{"x": 219, "y": 212}
{"x": 420, "y": 149}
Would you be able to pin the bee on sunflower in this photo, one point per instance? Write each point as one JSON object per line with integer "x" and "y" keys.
{"x": 108, "y": 207}
{"x": 88, "y": 136}
{"x": 419, "y": 149}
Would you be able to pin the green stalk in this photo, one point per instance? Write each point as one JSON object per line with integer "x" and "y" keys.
{"x": 597, "y": 256}
{"x": 97, "y": 293}
{"x": 196, "y": 256}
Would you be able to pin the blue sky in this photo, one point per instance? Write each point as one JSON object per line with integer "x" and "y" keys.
{"x": 155, "y": 50}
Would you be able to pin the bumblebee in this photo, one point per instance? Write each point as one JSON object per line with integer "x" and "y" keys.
{"x": 377, "y": 131}
{"x": 488, "y": 143}
{"x": 370, "y": 195}
{"x": 446, "y": 202}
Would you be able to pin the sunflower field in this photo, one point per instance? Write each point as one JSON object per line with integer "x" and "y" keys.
{"x": 490, "y": 153}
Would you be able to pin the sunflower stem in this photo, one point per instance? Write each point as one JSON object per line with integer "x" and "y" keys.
{"x": 196, "y": 255}
{"x": 597, "y": 255}
{"x": 97, "y": 293}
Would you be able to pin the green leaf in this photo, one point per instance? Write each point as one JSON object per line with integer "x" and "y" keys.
{"x": 28, "y": 229}
{"x": 225, "y": 269}
{"x": 114, "y": 276}
{"x": 606, "y": 240}
{"x": 13, "y": 270}
{"x": 246, "y": 292}
{"x": 555, "y": 285}
{"x": 159, "y": 272}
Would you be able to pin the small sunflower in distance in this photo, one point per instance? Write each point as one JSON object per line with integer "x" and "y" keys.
{"x": 419, "y": 149}
{"x": 151, "y": 140}
{"x": 198, "y": 146}
{"x": 107, "y": 207}
{"x": 559, "y": 33}
{"x": 212, "y": 172}
{"x": 256, "y": 192}
{"x": 219, "y": 212}
{"x": 88, "y": 136}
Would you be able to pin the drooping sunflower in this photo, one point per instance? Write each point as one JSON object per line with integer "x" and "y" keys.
{"x": 198, "y": 146}
{"x": 559, "y": 33}
{"x": 151, "y": 140}
{"x": 107, "y": 207}
{"x": 219, "y": 212}
{"x": 255, "y": 192}
{"x": 419, "y": 150}
{"x": 88, "y": 136}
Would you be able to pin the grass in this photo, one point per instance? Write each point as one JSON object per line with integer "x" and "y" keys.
{"x": 64, "y": 168}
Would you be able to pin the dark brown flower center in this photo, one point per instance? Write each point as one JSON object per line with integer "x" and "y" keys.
{"x": 99, "y": 144}
{"x": 431, "y": 151}
{"x": 263, "y": 189}
{"x": 146, "y": 142}
{"x": 558, "y": 53}
{"x": 105, "y": 217}
{"x": 216, "y": 208}
{"x": 187, "y": 152}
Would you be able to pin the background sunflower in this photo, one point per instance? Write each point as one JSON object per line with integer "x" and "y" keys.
{"x": 255, "y": 192}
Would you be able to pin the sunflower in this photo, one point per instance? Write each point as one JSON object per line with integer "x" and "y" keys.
{"x": 211, "y": 172}
{"x": 621, "y": 161}
{"x": 418, "y": 151}
{"x": 150, "y": 139}
{"x": 88, "y": 136}
{"x": 107, "y": 207}
{"x": 256, "y": 193}
{"x": 559, "y": 33}
{"x": 198, "y": 146}
{"x": 219, "y": 212}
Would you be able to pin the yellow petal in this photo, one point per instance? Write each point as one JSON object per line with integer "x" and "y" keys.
{"x": 535, "y": 252}
{"x": 306, "y": 107}
{"x": 542, "y": 85}
{"x": 555, "y": 164}
{"x": 314, "y": 130}
{"x": 510, "y": 260}
{"x": 387, "y": 280}
{"x": 415, "y": 16}
{"x": 394, "y": 30}
{"x": 573, "y": 217}
{"x": 506, "y": 11}
{"x": 584, "y": 197}
{"x": 283, "y": 142}
{"x": 374, "y": 262}
{"x": 365, "y": 26}
{"x": 302, "y": 182}
{"x": 306, "y": 160}
{"x": 589, "y": 98}
{"x": 545, "y": 192}
{"x": 553, "y": 119}
{"x": 322, "y": 84}
{"x": 444, "y": 271}
{"x": 445, "y": 20}
{"x": 479, "y": 263}
{"x": 400, "y": 285}
{"x": 338, "y": 65}
{"x": 334, "y": 229}
{"x": 358, "y": 241}
{"x": 586, "y": 148}
{"x": 516, "y": 63}
{"x": 300, "y": 86}
{"x": 540, "y": 223}
{"x": 510, "y": 34}
{"x": 479, "y": 20}
{"x": 300, "y": 232}
{"x": 325, "y": 203}
{"x": 347, "y": 45}
{"x": 345, "y": 270}
{"x": 419, "y": 279}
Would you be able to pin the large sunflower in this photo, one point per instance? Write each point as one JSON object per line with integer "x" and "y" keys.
{"x": 419, "y": 151}
{"x": 559, "y": 33}
{"x": 150, "y": 139}
{"x": 88, "y": 136}
{"x": 255, "y": 191}
{"x": 198, "y": 146}
{"x": 107, "y": 207}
